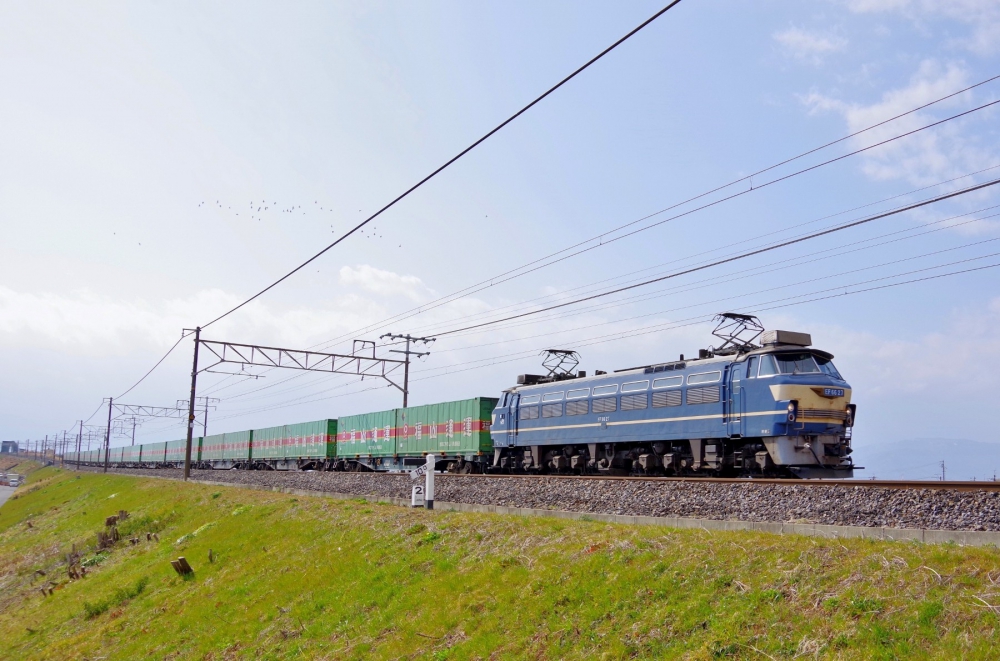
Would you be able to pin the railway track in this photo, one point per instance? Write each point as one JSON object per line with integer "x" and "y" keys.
{"x": 956, "y": 485}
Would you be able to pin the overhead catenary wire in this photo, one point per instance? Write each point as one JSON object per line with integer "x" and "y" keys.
{"x": 702, "y": 319}
{"x": 710, "y": 282}
{"x": 450, "y": 161}
{"x": 786, "y": 263}
{"x": 727, "y": 260}
{"x": 820, "y": 294}
{"x": 708, "y": 192}
{"x": 493, "y": 281}
{"x": 169, "y": 351}
{"x": 644, "y": 296}
{"x": 219, "y": 385}
{"x": 502, "y": 277}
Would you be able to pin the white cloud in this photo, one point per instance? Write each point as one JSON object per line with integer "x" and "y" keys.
{"x": 983, "y": 16}
{"x": 806, "y": 45}
{"x": 95, "y": 324}
{"x": 923, "y": 158}
{"x": 384, "y": 283}
{"x": 950, "y": 360}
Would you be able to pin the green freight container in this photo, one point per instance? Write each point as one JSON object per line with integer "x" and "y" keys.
{"x": 236, "y": 445}
{"x": 309, "y": 440}
{"x": 211, "y": 447}
{"x": 176, "y": 450}
{"x": 152, "y": 453}
{"x": 450, "y": 428}
{"x": 115, "y": 455}
{"x": 268, "y": 442}
{"x": 130, "y": 454}
{"x": 368, "y": 434}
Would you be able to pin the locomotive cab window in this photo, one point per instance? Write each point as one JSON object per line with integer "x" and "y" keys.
{"x": 752, "y": 367}
{"x": 796, "y": 363}
{"x": 767, "y": 366}
{"x": 826, "y": 366}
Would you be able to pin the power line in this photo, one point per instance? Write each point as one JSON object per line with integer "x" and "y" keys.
{"x": 422, "y": 308}
{"x": 698, "y": 319}
{"x": 450, "y": 161}
{"x": 218, "y": 387}
{"x": 688, "y": 288}
{"x": 784, "y": 262}
{"x": 472, "y": 289}
{"x": 520, "y": 271}
{"x": 730, "y": 259}
{"x": 183, "y": 335}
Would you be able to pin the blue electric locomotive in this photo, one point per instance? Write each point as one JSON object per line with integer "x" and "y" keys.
{"x": 778, "y": 408}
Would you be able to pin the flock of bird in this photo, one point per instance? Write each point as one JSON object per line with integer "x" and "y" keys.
{"x": 256, "y": 211}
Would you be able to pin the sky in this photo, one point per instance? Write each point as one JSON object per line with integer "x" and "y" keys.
{"x": 162, "y": 162}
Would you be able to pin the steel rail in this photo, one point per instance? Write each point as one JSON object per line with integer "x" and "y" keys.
{"x": 956, "y": 485}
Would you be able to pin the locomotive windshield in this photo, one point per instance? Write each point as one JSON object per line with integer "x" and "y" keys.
{"x": 797, "y": 363}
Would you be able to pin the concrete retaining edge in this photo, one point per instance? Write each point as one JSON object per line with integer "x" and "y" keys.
{"x": 960, "y": 537}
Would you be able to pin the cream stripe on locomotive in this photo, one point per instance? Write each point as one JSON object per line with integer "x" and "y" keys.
{"x": 639, "y": 422}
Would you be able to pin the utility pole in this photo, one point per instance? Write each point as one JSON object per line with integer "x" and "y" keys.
{"x": 191, "y": 402}
{"x": 79, "y": 443}
{"x": 204, "y": 421}
{"x": 406, "y": 368}
{"x": 107, "y": 436}
{"x": 133, "y": 431}
{"x": 63, "y": 460}
{"x": 942, "y": 470}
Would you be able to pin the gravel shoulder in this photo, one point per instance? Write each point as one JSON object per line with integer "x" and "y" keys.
{"x": 932, "y": 509}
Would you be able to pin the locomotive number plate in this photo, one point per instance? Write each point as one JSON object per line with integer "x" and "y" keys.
{"x": 833, "y": 392}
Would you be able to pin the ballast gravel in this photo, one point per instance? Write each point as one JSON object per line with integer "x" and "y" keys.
{"x": 932, "y": 509}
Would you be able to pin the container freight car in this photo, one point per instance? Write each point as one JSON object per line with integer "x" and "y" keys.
{"x": 367, "y": 441}
{"x": 152, "y": 455}
{"x": 130, "y": 455}
{"x": 229, "y": 450}
{"x": 457, "y": 432}
{"x": 175, "y": 452}
{"x": 301, "y": 446}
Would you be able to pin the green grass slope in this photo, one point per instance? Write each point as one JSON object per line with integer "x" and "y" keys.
{"x": 314, "y": 578}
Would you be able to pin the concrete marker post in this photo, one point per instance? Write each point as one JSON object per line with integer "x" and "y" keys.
{"x": 429, "y": 483}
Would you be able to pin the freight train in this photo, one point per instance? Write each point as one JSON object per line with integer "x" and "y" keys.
{"x": 778, "y": 408}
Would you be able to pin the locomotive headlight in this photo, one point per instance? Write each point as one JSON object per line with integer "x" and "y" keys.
{"x": 852, "y": 413}
{"x": 793, "y": 410}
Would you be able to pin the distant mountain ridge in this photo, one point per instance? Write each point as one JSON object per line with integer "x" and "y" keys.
{"x": 920, "y": 459}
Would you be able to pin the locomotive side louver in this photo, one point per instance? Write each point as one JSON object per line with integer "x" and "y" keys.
{"x": 709, "y": 395}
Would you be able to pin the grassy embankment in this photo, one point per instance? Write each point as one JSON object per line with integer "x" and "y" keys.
{"x": 18, "y": 465}
{"x": 317, "y": 578}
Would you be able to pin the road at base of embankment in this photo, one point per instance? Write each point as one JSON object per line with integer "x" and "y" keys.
{"x": 5, "y": 493}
